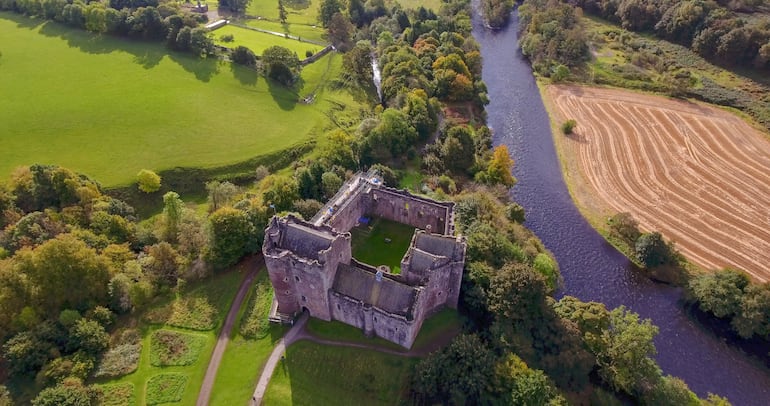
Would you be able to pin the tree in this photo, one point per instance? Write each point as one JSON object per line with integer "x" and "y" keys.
{"x": 625, "y": 226}
{"x": 244, "y": 56}
{"x": 25, "y": 353}
{"x": 221, "y": 194}
{"x": 500, "y": 167}
{"x": 458, "y": 374}
{"x": 357, "y": 64}
{"x": 71, "y": 392}
{"x": 280, "y": 64}
{"x": 148, "y": 180}
{"x": 163, "y": 267}
{"x": 280, "y": 193}
{"x": 328, "y": 8}
{"x": 522, "y": 385}
{"x": 66, "y": 273}
{"x": 568, "y": 126}
{"x": 282, "y": 15}
{"x": 458, "y": 149}
{"x": 201, "y": 43}
{"x": 754, "y": 314}
{"x": 231, "y": 232}
{"x": 720, "y": 293}
{"x": 236, "y": 6}
{"x": 331, "y": 183}
{"x": 172, "y": 215}
{"x": 671, "y": 391}
{"x": 652, "y": 250}
{"x": 339, "y": 30}
{"x": 89, "y": 336}
{"x": 625, "y": 360}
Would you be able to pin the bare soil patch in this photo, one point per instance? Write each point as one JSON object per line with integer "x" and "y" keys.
{"x": 697, "y": 174}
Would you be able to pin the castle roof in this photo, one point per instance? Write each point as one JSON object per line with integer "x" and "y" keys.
{"x": 386, "y": 294}
{"x": 304, "y": 241}
{"x": 436, "y": 244}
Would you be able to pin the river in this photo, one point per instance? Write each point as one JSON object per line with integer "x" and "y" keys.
{"x": 593, "y": 269}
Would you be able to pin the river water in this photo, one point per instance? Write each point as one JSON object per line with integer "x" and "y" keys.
{"x": 593, "y": 269}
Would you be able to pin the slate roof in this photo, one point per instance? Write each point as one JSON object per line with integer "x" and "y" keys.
{"x": 305, "y": 241}
{"x": 387, "y": 294}
{"x": 436, "y": 244}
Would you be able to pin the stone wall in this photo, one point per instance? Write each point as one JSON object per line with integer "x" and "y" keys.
{"x": 404, "y": 208}
{"x": 373, "y": 321}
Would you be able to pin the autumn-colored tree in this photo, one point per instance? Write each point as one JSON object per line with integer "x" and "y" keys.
{"x": 499, "y": 170}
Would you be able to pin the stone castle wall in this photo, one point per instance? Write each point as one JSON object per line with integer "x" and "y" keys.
{"x": 403, "y": 208}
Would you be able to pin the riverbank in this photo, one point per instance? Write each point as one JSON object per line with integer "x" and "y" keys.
{"x": 671, "y": 164}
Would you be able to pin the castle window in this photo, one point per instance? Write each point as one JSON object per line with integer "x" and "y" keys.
{"x": 338, "y": 306}
{"x": 296, "y": 278}
{"x": 375, "y": 319}
{"x": 287, "y": 292}
{"x": 304, "y": 299}
{"x": 451, "y": 290}
{"x": 285, "y": 278}
{"x": 440, "y": 293}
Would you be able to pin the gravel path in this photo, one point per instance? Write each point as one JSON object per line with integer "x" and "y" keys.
{"x": 253, "y": 264}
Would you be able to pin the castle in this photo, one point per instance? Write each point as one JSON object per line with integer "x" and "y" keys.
{"x": 312, "y": 269}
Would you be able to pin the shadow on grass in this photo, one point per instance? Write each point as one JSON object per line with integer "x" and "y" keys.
{"x": 147, "y": 54}
{"x": 284, "y": 97}
{"x": 22, "y": 21}
{"x": 247, "y": 76}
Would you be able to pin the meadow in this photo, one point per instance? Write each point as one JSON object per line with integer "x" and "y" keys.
{"x": 108, "y": 107}
{"x": 259, "y": 41}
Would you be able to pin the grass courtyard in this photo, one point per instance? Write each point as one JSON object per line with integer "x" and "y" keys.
{"x": 259, "y": 41}
{"x": 383, "y": 242}
{"x": 109, "y": 107}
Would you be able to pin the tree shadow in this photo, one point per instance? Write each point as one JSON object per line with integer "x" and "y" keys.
{"x": 286, "y": 98}
{"x": 144, "y": 55}
{"x": 203, "y": 69}
{"x": 247, "y": 76}
{"x": 22, "y": 21}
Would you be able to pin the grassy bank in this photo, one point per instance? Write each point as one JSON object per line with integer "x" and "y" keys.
{"x": 139, "y": 105}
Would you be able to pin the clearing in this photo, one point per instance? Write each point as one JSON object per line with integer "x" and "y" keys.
{"x": 383, "y": 242}
{"x": 259, "y": 41}
{"x": 140, "y": 105}
{"x": 697, "y": 174}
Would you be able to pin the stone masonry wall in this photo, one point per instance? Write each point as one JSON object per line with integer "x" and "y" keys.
{"x": 409, "y": 210}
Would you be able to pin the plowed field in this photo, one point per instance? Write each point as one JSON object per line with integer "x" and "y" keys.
{"x": 697, "y": 174}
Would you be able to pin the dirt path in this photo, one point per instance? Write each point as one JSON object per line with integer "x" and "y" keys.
{"x": 697, "y": 174}
{"x": 275, "y": 356}
{"x": 253, "y": 264}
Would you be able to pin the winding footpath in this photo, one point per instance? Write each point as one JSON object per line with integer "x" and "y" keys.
{"x": 224, "y": 335}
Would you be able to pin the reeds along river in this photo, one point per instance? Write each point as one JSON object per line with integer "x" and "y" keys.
{"x": 592, "y": 269}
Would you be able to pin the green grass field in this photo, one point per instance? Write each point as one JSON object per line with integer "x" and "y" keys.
{"x": 314, "y": 374}
{"x": 259, "y": 41}
{"x": 299, "y": 11}
{"x": 108, "y": 107}
{"x": 219, "y": 292}
{"x": 244, "y": 357}
{"x": 310, "y": 32}
{"x": 384, "y": 244}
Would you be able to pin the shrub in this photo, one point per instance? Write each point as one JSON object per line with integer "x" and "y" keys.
{"x": 172, "y": 348}
{"x": 166, "y": 388}
{"x": 308, "y": 53}
{"x": 120, "y": 394}
{"x": 227, "y": 38}
{"x": 120, "y": 360}
{"x": 195, "y": 313}
{"x": 255, "y": 323}
{"x": 568, "y": 126}
{"x": 148, "y": 181}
